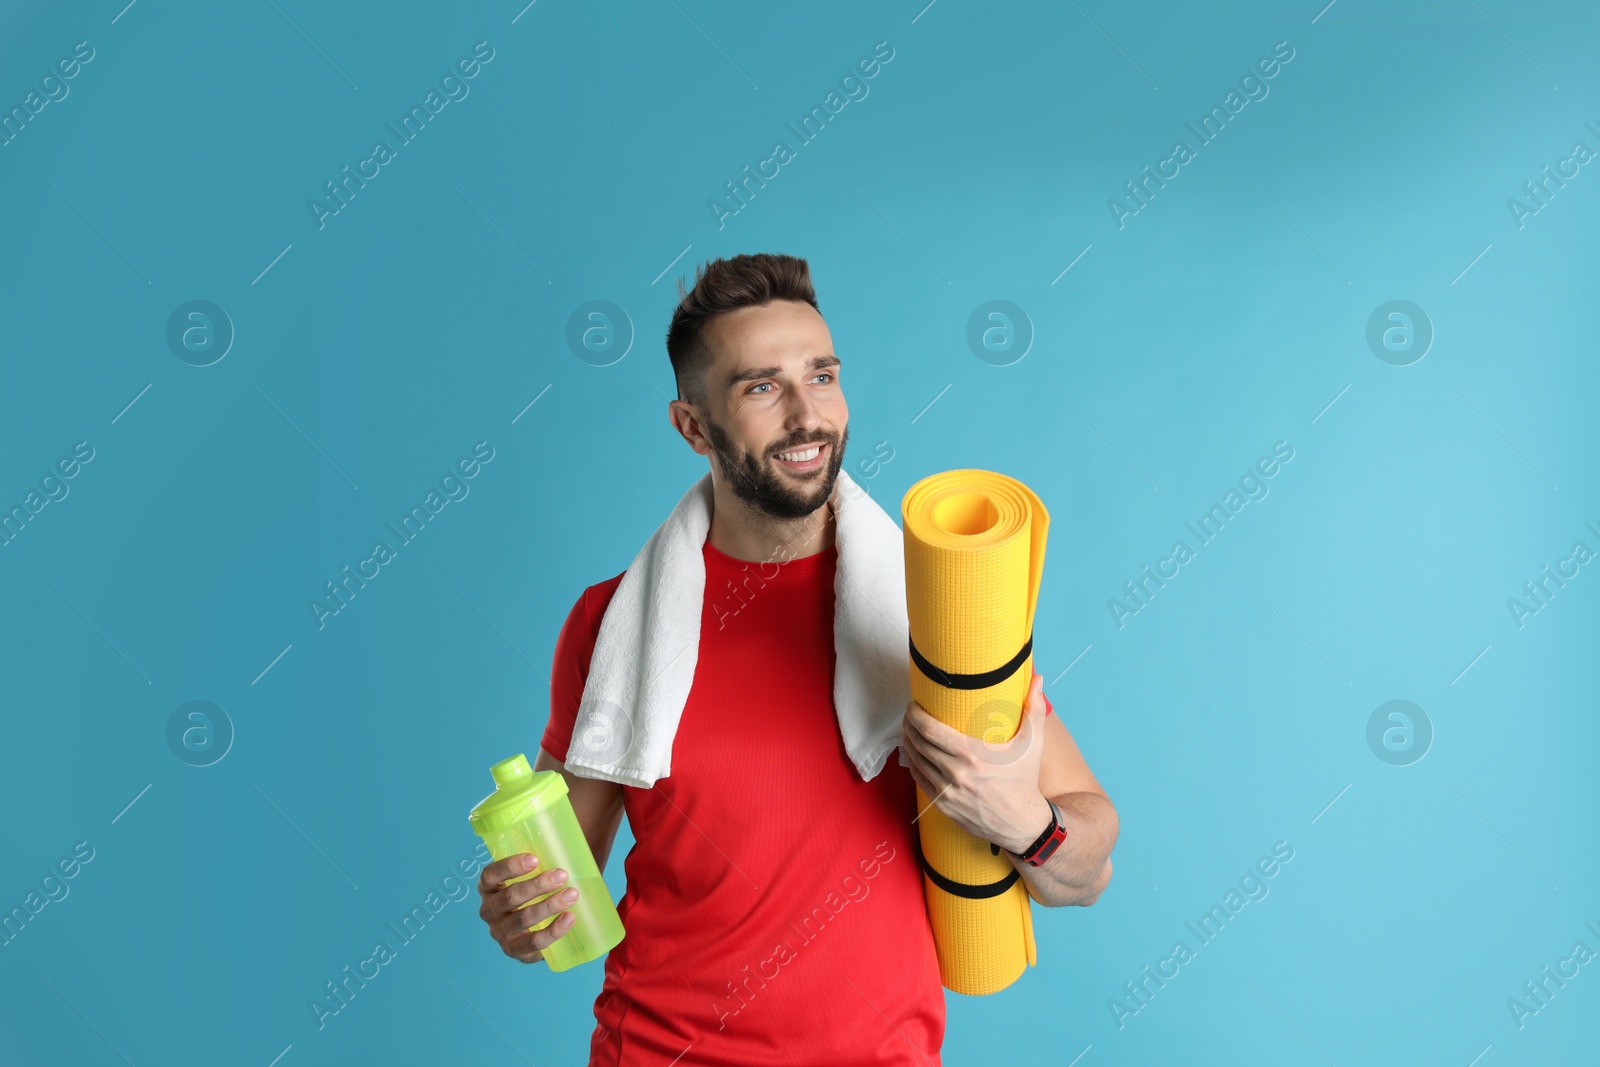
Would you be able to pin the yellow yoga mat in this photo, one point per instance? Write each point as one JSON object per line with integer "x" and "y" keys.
{"x": 974, "y": 553}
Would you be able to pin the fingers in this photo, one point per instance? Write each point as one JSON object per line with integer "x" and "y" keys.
{"x": 496, "y": 874}
{"x": 1036, "y": 691}
{"x": 528, "y": 946}
{"x": 507, "y": 911}
{"x": 510, "y": 913}
{"x": 541, "y": 939}
{"x": 925, "y": 754}
{"x": 923, "y": 773}
{"x": 520, "y": 948}
{"x": 916, "y": 732}
{"x": 515, "y": 923}
{"x": 930, "y": 735}
{"x": 514, "y": 896}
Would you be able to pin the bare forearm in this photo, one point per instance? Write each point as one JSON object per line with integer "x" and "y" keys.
{"x": 1081, "y": 867}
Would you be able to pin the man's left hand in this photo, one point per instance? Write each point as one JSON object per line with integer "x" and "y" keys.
{"x": 987, "y": 786}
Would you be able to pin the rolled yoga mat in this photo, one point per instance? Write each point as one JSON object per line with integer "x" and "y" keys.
{"x": 974, "y": 554}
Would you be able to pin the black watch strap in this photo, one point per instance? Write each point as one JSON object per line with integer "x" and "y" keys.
{"x": 1045, "y": 845}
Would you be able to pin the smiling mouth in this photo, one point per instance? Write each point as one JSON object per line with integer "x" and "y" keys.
{"x": 810, "y": 457}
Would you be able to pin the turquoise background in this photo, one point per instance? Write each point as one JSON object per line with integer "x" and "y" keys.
{"x": 371, "y": 354}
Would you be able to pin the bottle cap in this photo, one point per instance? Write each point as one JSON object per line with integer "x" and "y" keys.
{"x": 521, "y": 792}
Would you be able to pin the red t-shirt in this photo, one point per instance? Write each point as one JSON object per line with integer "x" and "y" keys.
{"x": 774, "y": 908}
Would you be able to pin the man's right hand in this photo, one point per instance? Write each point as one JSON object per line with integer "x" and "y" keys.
{"x": 508, "y": 921}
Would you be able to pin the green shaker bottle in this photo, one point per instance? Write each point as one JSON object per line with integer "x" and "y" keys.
{"x": 530, "y": 812}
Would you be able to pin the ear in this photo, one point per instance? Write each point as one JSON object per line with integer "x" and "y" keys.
{"x": 687, "y": 423}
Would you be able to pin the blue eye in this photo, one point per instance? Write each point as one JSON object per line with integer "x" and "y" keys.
{"x": 768, "y": 385}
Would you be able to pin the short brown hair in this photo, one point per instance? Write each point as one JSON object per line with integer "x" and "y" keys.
{"x": 726, "y": 285}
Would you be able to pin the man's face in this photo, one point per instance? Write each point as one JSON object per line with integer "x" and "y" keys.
{"x": 772, "y": 389}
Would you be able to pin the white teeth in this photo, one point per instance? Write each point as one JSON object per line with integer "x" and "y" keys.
{"x": 803, "y": 456}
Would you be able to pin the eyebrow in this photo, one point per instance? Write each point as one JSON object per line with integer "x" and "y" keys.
{"x": 758, "y": 373}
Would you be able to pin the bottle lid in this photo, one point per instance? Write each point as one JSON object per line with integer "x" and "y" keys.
{"x": 522, "y": 792}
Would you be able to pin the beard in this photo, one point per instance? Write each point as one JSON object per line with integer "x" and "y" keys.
{"x": 758, "y": 482}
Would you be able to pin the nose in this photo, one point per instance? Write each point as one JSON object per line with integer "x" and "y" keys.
{"x": 803, "y": 415}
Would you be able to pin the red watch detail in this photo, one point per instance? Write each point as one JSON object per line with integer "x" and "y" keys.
{"x": 1046, "y": 844}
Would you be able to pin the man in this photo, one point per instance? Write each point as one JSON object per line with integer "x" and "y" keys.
{"x": 774, "y": 902}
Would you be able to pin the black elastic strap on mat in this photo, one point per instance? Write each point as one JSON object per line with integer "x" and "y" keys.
{"x": 961, "y": 889}
{"x": 971, "y": 681}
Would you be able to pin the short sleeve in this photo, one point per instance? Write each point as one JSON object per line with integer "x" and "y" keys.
{"x": 569, "y": 670}
{"x": 569, "y": 667}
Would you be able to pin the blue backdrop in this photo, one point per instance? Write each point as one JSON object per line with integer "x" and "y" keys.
{"x": 1305, "y": 289}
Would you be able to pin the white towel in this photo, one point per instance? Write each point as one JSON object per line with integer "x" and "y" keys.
{"x": 649, "y": 641}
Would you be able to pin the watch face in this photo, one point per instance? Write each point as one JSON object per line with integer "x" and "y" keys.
{"x": 1038, "y": 858}
{"x": 1056, "y": 834}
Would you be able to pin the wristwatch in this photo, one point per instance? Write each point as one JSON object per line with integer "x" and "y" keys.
{"x": 1045, "y": 845}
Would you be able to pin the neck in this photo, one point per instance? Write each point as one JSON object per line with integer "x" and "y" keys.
{"x": 748, "y": 533}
